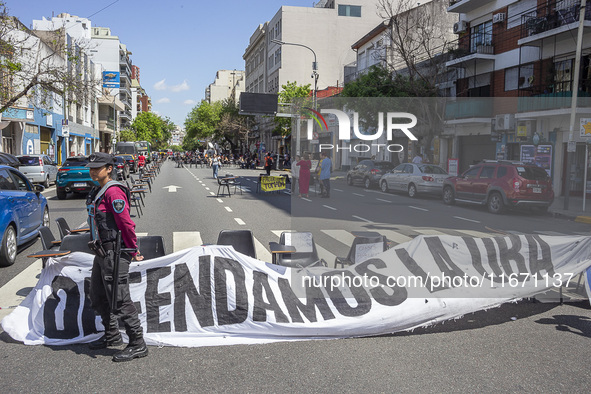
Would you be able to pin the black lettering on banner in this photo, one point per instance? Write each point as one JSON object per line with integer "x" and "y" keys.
{"x": 260, "y": 307}
{"x": 361, "y": 296}
{"x": 224, "y": 314}
{"x": 538, "y": 263}
{"x": 88, "y": 314}
{"x": 136, "y": 277}
{"x": 184, "y": 288}
{"x": 414, "y": 268}
{"x": 475, "y": 254}
{"x": 491, "y": 255}
{"x": 315, "y": 299}
{"x": 507, "y": 254}
{"x": 399, "y": 294}
{"x": 441, "y": 257}
{"x": 155, "y": 300}
{"x": 70, "y": 315}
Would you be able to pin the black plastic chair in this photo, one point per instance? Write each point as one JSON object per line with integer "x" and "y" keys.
{"x": 223, "y": 183}
{"x": 76, "y": 243}
{"x": 305, "y": 254}
{"x": 151, "y": 246}
{"x": 234, "y": 182}
{"x": 363, "y": 248}
{"x": 241, "y": 240}
{"x": 63, "y": 227}
{"x": 48, "y": 241}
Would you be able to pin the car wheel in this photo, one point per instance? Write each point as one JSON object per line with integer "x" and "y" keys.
{"x": 448, "y": 195}
{"x": 61, "y": 194}
{"x": 46, "y": 183}
{"x": 384, "y": 186}
{"x": 412, "y": 190}
{"x": 46, "y": 217}
{"x": 367, "y": 183}
{"x": 495, "y": 203}
{"x": 8, "y": 248}
{"x": 349, "y": 180}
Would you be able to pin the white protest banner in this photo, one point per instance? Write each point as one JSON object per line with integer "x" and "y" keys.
{"x": 212, "y": 295}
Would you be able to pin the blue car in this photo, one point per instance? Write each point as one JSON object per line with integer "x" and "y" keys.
{"x": 23, "y": 209}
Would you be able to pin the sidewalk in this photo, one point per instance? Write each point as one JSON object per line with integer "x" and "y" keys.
{"x": 575, "y": 209}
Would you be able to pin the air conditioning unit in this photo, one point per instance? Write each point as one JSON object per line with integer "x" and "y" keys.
{"x": 460, "y": 27}
{"x": 498, "y": 18}
{"x": 504, "y": 122}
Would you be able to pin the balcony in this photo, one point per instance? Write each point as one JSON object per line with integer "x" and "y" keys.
{"x": 106, "y": 125}
{"x": 464, "y": 6}
{"x": 556, "y": 96}
{"x": 480, "y": 48}
{"x": 552, "y": 19}
{"x": 469, "y": 108}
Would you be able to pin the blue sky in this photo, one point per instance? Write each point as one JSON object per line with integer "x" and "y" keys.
{"x": 178, "y": 44}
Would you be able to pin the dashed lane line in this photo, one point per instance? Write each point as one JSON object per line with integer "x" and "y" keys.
{"x": 360, "y": 195}
{"x": 239, "y": 221}
{"x": 329, "y": 207}
{"x": 219, "y": 200}
{"x": 380, "y": 199}
{"x": 466, "y": 219}
{"x": 228, "y": 209}
{"x": 362, "y": 219}
{"x": 418, "y": 209}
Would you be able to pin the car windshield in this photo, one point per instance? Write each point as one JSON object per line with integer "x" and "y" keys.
{"x": 431, "y": 169}
{"x": 532, "y": 173}
{"x": 29, "y": 160}
{"x": 76, "y": 162}
{"x": 126, "y": 149}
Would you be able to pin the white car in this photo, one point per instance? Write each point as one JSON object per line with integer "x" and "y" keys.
{"x": 38, "y": 168}
{"x": 414, "y": 178}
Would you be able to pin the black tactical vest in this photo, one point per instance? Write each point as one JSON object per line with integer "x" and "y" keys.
{"x": 102, "y": 224}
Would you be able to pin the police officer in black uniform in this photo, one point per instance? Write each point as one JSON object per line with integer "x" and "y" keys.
{"x": 108, "y": 209}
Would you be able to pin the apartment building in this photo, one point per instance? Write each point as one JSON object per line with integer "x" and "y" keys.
{"x": 516, "y": 64}
{"x": 227, "y": 84}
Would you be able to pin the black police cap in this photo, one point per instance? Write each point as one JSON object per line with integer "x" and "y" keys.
{"x": 100, "y": 159}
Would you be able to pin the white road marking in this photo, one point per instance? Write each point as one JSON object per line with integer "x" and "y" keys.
{"x": 207, "y": 188}
{"x": 428, "y": 231}
{"x": 341, "y": 235}
{"x": 141, "y": 234}
{"x": 212, "y": 193}
{"x": 477, "y": 234}
{"x": 419, "y": 209}
{"x": 8, "y": 292}
{"x": 262, "y": 252}
{"x": 304, "y": 198}
{"x": 395, "y": 236}
{"x": 379, "y": 199}
{"x": 360, "y": 195}
{"x": 228, "y": 209}
{"x": 185, "y": 239}
{"x": 172, "y": 188}
{"x": 337, "y": 190}
{"x": 220, "y": 200}
{"x": 362, "y": 219}
{"x": 240, "y": 221}
{"x": 329, "y": 207}
{"x": 468, "y": 220}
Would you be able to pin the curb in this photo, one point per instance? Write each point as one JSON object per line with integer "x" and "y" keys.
{"x": 583, "y": 219}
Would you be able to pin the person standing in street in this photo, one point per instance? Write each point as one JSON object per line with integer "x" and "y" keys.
{"x": 108, "y": 214}
{"x": 215, "y": 165}
{"x": 295, "y": 175}
{"x": 417, "y": 159}
{"x": 325, "y": 168}
{"x": 268, "y": 163}
{"x": 304, "y": 165}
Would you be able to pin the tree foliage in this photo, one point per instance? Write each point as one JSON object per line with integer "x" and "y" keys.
{"x": 289, "y": 94}
{"x": 202, "y": 121}
{"x": 150, "y": 127}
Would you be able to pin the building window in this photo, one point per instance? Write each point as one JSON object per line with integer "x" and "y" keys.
{"x": 519, "y": 77}
{"x": 350, "y": 10}
{"x": 563, "y": 75}
{"x": 481, "y": 35}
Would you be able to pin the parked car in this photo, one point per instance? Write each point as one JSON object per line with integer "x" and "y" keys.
{"x": 9, "y": 160}
{"x": 368, "y": 172}
{"x": 23, "y": 210}
{"x": 74, "y": 177}
{"x": 414, "y": 178}
{"x": 122, "y": 168}
{"x": 500, "y": 184}
{"x": 131, "y": 162}
{"x": 38, "y": 168}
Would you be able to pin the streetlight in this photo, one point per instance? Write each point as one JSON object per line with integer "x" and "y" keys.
{"x": 315, "y": 76}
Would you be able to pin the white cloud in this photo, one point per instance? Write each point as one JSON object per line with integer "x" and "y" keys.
{"x": 189, "y": 102}
{"x": 156, "y": 112}
{"x": 163, "y": 100}
{"x": 181, "y": 87}
{"x": 160, "y": 85}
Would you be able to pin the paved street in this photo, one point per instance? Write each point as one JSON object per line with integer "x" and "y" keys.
{"x": 495, "y": 350}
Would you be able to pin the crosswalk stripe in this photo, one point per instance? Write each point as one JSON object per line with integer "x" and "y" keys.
{"x": 428, "y": 231}
{"x": 324, "y": 254}
{"x": 477, "y": 234}
{"x": 185, "y": 239}
{"x": 341, "y": 236}
{"x": 549, "y": 233}
{"x": 395, "y": 236}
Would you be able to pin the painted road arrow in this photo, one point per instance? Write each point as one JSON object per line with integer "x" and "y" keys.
{"x": 172, "y": 188}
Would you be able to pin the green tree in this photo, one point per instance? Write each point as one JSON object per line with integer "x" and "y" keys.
{"x": 202, "y": 121}
{"x": 150, "y": 127}
{"x": 127, "y": 135}
{"x": 232, "y": 127}
{"x": 380, "y": 82}
{"x": 289, "y": 94}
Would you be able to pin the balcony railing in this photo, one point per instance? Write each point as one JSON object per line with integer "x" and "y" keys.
{"x": 552, "y": 16}
{"x": 553, "y": 96}
{"x": 468, "y": 108}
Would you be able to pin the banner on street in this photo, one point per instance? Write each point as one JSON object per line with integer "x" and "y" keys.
{"x": 272, "y": 183}
{"x": 212, "y": 295}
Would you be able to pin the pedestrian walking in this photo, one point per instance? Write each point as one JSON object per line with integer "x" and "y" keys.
{"x": 215, "y": 165}
{"x": 108, "y": 213}
{"x": 304, "y": 165}
{"x": 268, "y": 163}
{"x": 295, "y": 174}
{"x": 325, "y": 169}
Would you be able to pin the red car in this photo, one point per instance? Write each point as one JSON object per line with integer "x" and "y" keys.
{"x": 500, "y": 184}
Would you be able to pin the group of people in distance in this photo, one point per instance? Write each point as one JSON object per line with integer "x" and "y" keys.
{"x": 301, "y": 171}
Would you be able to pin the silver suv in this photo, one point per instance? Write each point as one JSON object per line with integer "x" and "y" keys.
{"x": 38, "y": 168}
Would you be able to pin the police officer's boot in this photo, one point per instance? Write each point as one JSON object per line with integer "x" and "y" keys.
{"x": 132, "y": 351}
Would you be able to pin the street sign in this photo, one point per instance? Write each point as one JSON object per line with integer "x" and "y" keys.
{"x": 585, "y": 127}
{"x": 571, "y": 146}
{"x": 114, "y": 141}
{"x": 65, "y": 131}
